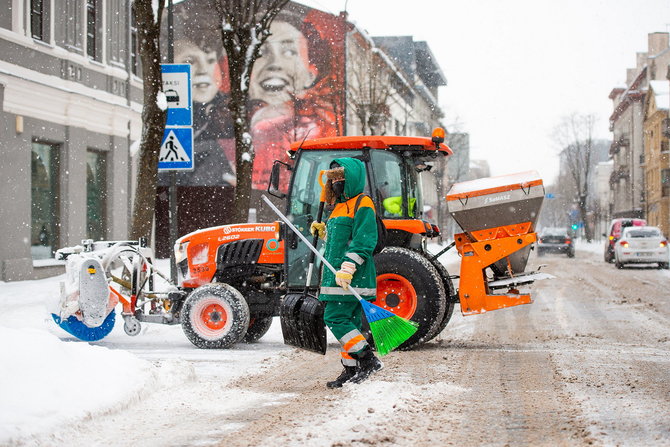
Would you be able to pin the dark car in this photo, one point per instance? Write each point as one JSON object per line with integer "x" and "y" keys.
{"x": 555, "y": 240}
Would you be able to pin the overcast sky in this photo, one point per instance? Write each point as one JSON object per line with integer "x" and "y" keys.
{"x": 515, "y": 67}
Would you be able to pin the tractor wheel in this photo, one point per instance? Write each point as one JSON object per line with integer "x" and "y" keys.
{"x": 215, "y": 316}
{"x": 410, "y": 286}
{"x": 258, "y": 326}
{"x": 449, "y": 292}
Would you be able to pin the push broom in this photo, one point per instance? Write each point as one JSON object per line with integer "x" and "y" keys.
{"x": 388, "y": 329}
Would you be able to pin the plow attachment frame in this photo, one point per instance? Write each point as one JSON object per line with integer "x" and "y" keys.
{"x": 481, "y": 249}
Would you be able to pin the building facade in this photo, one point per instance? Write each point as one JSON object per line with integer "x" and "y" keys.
{"x": 627, "y": 125}
{"x": 70, "y": 103}
{"x": 657, "y": 155}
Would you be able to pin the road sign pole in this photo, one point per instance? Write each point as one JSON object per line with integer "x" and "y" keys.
{"x": 172, "y": 189}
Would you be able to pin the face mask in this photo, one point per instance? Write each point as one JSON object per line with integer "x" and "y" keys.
{"x": 338, "y": 188}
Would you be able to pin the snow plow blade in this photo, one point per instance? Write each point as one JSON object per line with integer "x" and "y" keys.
{"x": 302, "y": 323}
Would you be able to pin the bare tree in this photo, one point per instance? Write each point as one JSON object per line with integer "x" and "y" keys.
{"x": 574, "y": 134}
{"x": 153, "y": 116}
{"x": 370, "y": 91}
{"x": 245, "y": 25}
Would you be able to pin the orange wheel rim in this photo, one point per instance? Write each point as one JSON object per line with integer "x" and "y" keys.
{"x": 214, "y": 316}
{"x": 396, "y": 294}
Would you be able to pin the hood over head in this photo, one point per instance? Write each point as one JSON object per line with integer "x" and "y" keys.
{"x": 354, "y": 176}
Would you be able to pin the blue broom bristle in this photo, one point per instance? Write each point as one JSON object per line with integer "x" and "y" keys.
{"x": 374, "y": 312}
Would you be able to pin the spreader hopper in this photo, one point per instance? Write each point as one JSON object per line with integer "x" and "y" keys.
{"x": 498, "y": 216}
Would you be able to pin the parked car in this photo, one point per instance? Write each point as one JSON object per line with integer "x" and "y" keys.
{"x": 641, "y": 245}
{"x": 614, "y": 234}
{"x": 555, "y": 240}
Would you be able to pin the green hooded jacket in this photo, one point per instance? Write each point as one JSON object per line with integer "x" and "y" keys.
{"x": 351, "y": 238}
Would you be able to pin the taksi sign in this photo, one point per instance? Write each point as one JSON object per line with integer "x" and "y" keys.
{"x": 177, "y": 89}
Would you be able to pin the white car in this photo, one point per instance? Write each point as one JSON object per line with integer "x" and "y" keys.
{"x": 641, "y": 245}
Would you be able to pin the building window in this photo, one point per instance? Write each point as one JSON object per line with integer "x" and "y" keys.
{"x": 134, "y": 44}
{"x": 72, "y": 19}
{"x": 44, "y": 200}
{"x": 91, "y": 29}
{"x": 96, "y": 195}
{"x": 665, "y": 182}
{"x": 37, "y": 19}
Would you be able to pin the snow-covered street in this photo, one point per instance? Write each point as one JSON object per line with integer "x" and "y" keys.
{"x": 588, "y": 363}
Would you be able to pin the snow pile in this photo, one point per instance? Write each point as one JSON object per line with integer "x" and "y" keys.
{"x": 45, "y": 382}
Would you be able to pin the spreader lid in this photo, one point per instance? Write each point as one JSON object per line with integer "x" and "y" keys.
{"x": 492, "y": 185}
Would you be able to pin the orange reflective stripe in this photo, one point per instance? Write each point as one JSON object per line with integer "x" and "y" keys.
{"x": 348, "y": 345}
{"x": 346, "y": 355}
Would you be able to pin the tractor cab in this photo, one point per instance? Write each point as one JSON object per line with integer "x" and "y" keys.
{"x": 393, "y": 167}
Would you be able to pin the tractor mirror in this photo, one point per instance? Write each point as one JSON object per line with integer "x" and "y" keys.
{"x": 275, "y": 178}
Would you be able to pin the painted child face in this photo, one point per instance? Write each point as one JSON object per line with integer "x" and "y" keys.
{"x": 203, "y": 66}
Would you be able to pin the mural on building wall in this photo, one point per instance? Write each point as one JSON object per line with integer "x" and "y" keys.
{"x": 296, "y": 89}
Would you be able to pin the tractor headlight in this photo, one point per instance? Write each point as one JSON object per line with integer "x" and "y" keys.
{"x": 180, "y": 251}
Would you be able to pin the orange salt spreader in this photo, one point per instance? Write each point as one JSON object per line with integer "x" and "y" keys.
{"x": 498, "y": 217}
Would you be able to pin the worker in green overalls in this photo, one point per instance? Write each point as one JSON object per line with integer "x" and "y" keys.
{"x": 350, "y": 240}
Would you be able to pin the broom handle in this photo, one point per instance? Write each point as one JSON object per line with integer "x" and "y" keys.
{"x": 304, "y": 239}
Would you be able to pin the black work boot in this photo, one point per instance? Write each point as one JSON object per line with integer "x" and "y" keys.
{"x": 368, "y": 364}
{"x": 347, "y": 374}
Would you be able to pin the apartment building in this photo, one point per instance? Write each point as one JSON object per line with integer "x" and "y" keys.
{"x": 627, "y": 125}
{"x": 657, "y": 155}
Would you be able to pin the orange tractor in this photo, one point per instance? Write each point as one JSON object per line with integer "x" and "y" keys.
{"x": 237, "y": 275}
{"x": 232, "y": 279}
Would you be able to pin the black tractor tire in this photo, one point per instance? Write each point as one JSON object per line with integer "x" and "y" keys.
{"x": 258, "y": 326}
{"x": 449, "y": 292}
{"x": 215, "y": 316}
{"x": 409, "y": 267}
{"x": 664, "y": 265}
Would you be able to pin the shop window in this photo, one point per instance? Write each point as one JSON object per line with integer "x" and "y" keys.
{"x": 44, "y": 219}
{"x": 96, "y": 195}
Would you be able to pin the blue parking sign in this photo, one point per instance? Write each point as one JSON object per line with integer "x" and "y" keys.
{"x": 177, "y": 89}
{"x": 176, "y": 149}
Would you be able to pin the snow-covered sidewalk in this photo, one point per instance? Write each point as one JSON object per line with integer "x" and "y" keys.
{"x": 49, "y": 379}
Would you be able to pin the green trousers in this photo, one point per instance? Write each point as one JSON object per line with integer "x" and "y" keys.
{"x": 344, "y": 319}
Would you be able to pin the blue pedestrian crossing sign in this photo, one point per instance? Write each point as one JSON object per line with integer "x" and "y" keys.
{"x": 176, "y": 149}
{"x": 177, "y": 89}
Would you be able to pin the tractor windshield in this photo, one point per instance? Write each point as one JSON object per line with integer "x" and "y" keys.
{"x": 303, "y": 208}
{"x": 396, "y": 184}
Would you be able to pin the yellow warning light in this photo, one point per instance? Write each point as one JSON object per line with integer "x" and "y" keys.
{"x": 438, "y": 136}
{"x": 91, "y": 270}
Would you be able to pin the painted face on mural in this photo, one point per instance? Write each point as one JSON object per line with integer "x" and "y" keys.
{"x": 283, "y": 70}
{"x": 203, "y": 66}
